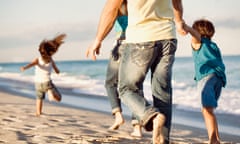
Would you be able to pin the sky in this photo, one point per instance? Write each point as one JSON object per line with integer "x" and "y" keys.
{"x": 25, "y": 23}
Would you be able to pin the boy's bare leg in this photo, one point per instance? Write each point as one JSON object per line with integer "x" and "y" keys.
{"x": 158, "y": 123}
{"x": 137, "y": 131}
{"x": 119, "y": 120}
{"x": 39, "y": 104}
{"x": 211, "y": 125}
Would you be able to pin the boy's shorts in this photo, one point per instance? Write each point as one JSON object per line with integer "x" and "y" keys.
{"x": 41, "y": 89}
{"x": 209, "y": 88}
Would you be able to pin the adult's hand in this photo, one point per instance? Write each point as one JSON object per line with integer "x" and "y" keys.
{"x": 93, "y": 50}
{"x": 181, "y": 28}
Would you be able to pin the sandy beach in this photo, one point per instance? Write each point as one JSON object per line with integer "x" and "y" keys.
{"x": 67, "y": 125}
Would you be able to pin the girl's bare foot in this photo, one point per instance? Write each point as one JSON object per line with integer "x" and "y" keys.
{"x": 119, "y": 120}
{"x": 37, "y": 114}
{"x": 214, "y": 142}
{"x": 158, "y": 123}
{"x": 137, "y": 132}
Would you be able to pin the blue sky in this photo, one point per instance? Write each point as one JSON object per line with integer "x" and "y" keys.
{"x": 25, "y": 23}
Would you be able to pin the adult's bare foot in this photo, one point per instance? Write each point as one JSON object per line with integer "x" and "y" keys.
{"x": 137, "y": 131}
{"x": 119, "y": 120}
{"x": 158, "y": 123}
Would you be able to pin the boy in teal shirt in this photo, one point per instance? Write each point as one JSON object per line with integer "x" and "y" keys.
{"x": 209, "y": 73}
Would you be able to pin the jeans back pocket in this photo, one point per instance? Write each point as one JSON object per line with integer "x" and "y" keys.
{"x": 141, "y": 54}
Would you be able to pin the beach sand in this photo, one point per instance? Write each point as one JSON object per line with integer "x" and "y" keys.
{"x": 65, "y": 125}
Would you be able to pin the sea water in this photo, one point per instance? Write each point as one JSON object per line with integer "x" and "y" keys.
{"x": 88, "y": 77}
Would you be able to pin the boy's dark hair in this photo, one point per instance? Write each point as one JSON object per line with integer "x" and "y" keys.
{"x": 204, "y": 27}
{"x": 50, "y": 47}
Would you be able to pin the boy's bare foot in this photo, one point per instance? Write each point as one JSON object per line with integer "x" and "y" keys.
{"x": 119, "y": 120}
{"x": 158, "y": 123}
{"x": 137, "y": 132}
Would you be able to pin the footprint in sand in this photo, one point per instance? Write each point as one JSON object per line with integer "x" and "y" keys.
{"x": 55, "y": 120}
{"x": 29, "y": 127}
{"x": 42, "y": 126}
{"x": 11, "y": 119}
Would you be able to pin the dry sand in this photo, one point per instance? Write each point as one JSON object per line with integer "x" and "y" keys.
{"x": 65, "y": 125}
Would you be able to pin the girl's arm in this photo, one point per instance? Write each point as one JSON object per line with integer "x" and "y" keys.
{"x": 196, "y": 37}
{"x": 55, "y": 67}
{"x": 33, "y": 63}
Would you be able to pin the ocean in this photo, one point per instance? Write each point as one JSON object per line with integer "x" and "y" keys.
{"x": 86, "y": 76}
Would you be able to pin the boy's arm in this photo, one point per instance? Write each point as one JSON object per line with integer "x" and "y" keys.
{"x": 33, "y": 63}
{"x": 55, "y": 67}
{"x": 196, "y": 37}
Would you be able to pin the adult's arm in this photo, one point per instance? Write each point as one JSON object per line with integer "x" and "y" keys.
{"x": 107, "y": 19}
{"x": 178, "y": 16}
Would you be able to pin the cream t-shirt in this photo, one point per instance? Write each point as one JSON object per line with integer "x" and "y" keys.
{"x": 150, "y": 20}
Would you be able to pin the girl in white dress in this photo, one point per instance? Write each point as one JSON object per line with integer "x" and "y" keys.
{"x": 43, "y": 67}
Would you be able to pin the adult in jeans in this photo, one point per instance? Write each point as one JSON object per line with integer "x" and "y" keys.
{"x": 151, "y": 45}
{"x": 111, "y": 82}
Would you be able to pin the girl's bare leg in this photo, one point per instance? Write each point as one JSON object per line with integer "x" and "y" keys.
{"x": 39, "y": 104}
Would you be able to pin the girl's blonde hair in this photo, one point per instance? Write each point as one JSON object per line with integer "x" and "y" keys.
{"x": 50, "y": 47}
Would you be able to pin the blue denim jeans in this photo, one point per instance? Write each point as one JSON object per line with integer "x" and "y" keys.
{"x": 137, "y": 59}
{"x": 111, "y": 82}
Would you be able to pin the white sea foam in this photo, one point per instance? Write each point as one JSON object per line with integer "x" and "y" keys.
{"x": 184, "y": 96}
{"x": 88, "y": 77}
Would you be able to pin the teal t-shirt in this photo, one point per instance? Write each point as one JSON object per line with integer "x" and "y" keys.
{"x": 208, "y": 60}
{"x": 120, "y": 25}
